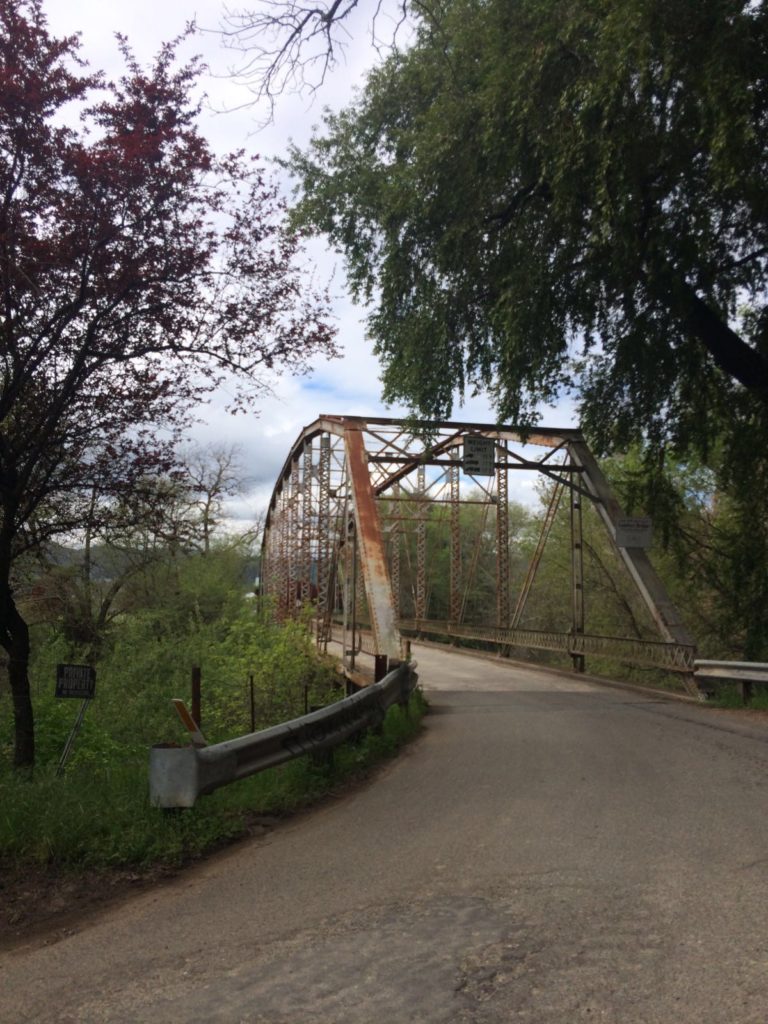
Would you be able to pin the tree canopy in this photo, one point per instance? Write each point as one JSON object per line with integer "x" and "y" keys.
{"x": 137, "y": 270}
{"x": 540, "y": 196}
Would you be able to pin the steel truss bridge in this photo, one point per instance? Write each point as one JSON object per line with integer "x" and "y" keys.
{"x": 346, "y": 536}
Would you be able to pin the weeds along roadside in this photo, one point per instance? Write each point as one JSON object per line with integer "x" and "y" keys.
{"x": 98, "y": 815}
{"x": 101, "y": 818}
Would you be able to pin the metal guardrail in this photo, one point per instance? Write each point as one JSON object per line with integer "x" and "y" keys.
{"x": 179, "y": 775}
{"x": 744, "y": 673}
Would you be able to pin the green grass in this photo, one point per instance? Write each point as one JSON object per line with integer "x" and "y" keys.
{"x": 98, "y": 815}
{"x": 728, "y": 695}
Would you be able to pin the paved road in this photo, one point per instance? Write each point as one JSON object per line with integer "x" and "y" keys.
{"x": 549, "y": 851}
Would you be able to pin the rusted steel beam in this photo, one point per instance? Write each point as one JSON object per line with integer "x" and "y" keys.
{"x": 395, "y": 546}
{"x": 545, "y": 437}
{"x": 651, "y": 588}
{"x": 533, "y": 567}
{"x": 306, "y": 524}
{"x": 502, "y": 546}
{"x": 324, "y": 544}
{"x": 421, "y": 552}
{"x": 328, "y": 424}
{"x": 294, "y": 525}
{"x": 455, "y": 568}
{"x": 349, "y": 581}
{"x": 409, "y": 464}
{"x": 378, "y": 590}
{"x": 577, "y": 576}
{"x": 412, "y": 463}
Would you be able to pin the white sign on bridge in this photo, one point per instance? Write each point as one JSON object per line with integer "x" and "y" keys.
{"x": 479, "y": 455}
{"x": 634, "y": 531}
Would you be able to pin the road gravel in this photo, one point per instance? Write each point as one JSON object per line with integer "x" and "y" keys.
{"x": 550, "y": 850}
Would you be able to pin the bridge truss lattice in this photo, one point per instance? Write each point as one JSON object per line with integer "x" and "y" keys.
{"x": 350, "y": 515}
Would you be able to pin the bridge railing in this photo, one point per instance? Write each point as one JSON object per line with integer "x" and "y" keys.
{"x": 179, "y": 775}
{"x": 670, "y": 657}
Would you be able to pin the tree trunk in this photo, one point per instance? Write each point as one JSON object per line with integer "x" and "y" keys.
{"x": 14, "y": 638}
{"x": 732, "y": 354}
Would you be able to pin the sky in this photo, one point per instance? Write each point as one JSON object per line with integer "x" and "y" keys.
{"x": 347, "y": 386}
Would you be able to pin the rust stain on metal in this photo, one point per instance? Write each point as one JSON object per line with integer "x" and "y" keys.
{"x": 378, "y": 590}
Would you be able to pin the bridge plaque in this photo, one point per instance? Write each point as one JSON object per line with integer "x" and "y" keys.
{"x": 634, "y": 531}
{"x": 479, "y": 455}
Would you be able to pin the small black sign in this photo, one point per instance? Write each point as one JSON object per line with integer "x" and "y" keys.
{"x": 75, "y": 681}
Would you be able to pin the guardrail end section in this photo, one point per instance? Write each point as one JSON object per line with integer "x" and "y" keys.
{"x": 173, "y": 776}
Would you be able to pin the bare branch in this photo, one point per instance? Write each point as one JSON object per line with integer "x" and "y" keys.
{"x": 290, "y": 46}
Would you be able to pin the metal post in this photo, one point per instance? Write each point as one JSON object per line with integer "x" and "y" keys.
{"x": 346, "y": 586}
{"x": 253, "y": 704}
{"x": 454, "y": 607}
{"x": 196, "y": 710}
{"x": 353, "y": 594}
{"x": 502, "y": 543}
{"x": 395, "y": 539}
{"x": 378, "y": 589}
{"x": 324, "y": 596}
{"x": 530, "y": 577}
{"x": 283, "y": 574}
{"x": 71, "y": 738}
{"x": 421, "y": 546}
{"x": 577, "y": 574}
{"x": 306, "y": 525}
{"x": 295, "y": 561}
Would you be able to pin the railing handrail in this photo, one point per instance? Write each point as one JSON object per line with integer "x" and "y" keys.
{"x": 706, "y": 663}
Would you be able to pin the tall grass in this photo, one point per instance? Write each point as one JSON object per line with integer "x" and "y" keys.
{"x": 728, "y": 695}
{"x": 100, "y": 817}
{"x": 97, "y": 814}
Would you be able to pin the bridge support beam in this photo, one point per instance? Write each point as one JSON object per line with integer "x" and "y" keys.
{"x": 378, "y": 590}
{"x": 637, "y": 562}
{"x": 577, "y": 573}
{"x": 454, "y": 610}
{"x": 502, "y": 540}
{"x": 421, "y": 544}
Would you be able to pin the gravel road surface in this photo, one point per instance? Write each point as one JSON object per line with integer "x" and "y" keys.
{"x": 549, "y": 851}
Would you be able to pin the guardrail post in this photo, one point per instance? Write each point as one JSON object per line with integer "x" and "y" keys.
{"x": 406, "y": 687}
{"x": 196, "y": 710}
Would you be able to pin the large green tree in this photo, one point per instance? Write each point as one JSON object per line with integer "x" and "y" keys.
{"x": 538, "y": 195}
